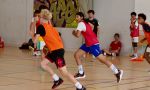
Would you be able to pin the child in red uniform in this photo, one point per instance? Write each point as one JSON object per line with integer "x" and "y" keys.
{"x": 115, "y": 47}
{"x": 134, "y": 29}
{"x": 146, "y": 28}
{"x": 55, "y": 51}
{"x": 92, "y": 46}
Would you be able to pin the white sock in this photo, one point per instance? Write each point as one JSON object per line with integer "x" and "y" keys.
{"x": 135, "y": 54}
{"x": 114, "y": 69}
{"x": 80, "y": 67}
{"x": 78, "y": 85}
{"x": 55, "y": 77}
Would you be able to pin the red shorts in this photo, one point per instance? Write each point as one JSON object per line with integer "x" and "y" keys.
{"x": 57, "y": 57}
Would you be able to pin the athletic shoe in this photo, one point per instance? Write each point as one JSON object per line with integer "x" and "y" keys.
{"x": 57, "y": 83}
{"x": 119, "y": 76}
{"x": 80, "y": 76}
{"x": 83, "y": 88}
{"x": 35, "y": 53}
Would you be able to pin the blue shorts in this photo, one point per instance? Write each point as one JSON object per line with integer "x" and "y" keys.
{"x": 95, "y": 49}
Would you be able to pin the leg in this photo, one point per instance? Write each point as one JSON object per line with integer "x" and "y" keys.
{"x": 61, "y": 65}
{"x": 135, "y": 47}
{"x": 103, "y": 60}
{"x": 66, "y": 74}
{"x": 78, "y": 54}
{"x": 116, "y": 71}
{"x": 147, "y": 54}
{"x": 97, "y": 52}
{"x": 71, "y": 78}
{"x": 147, "y": 57}
{"x": 135, "y": 50}
{"x": 44, "y": 52}
{"x": 44, "y": 64}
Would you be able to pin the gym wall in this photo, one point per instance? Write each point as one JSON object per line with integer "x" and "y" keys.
{"x": 15, "y": 17}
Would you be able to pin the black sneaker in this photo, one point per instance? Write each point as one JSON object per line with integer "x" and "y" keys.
{"x": 119, "y": 75}
{"x": 80, "y": 76}
{"x": 57, "y": 83}
{"x": 83, "y": 88}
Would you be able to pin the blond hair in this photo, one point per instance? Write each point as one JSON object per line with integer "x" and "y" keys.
{"x": 46, "y": 14}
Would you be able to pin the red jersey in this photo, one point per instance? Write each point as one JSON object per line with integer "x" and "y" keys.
{"x": 89, "y": 35}
{"x": 135, "y": 31}
{"x": 115, "y": 45}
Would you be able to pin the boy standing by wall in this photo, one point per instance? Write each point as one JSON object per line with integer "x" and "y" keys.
{"x": 134, "y": 29}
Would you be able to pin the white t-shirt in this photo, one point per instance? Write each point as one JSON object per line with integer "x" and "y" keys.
{"x": 81, "y": 27}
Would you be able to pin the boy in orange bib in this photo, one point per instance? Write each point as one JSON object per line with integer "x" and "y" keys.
{"x": 56, "y": 51}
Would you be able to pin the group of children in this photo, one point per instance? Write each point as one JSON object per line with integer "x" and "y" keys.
{"x": 134, "y": 29}
{"x": 41, "y": 27}
{"x": 47, "y": 38}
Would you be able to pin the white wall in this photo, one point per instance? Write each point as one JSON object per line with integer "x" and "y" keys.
{"x": 14, "y": 20}
{"x": 15, "y": 17}
{"x": 114, "y": 16}
{"x": 143, "y": 6}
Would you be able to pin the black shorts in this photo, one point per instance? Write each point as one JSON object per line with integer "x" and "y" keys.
{"x": 134, "y": 44}
{"x": 57, "y": 57}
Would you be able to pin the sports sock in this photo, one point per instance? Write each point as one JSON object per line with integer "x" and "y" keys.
{"x": 114, "y": 69}
{"x": 55, "y": 77}
{"x": 80, "y": 67}
{"x": 78, "y": 85}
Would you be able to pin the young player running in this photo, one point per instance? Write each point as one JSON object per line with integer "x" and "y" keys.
{"x": 56, "y": 51}
{"x": 91, "y": 45}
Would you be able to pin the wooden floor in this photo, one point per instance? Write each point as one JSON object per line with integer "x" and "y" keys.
{"x": 19, "y": 70}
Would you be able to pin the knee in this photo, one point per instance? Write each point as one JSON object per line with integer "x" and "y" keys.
{"x": 76, "y": 55}
{"x": 43, "y": 64}
{"x": 63, "y": 70}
